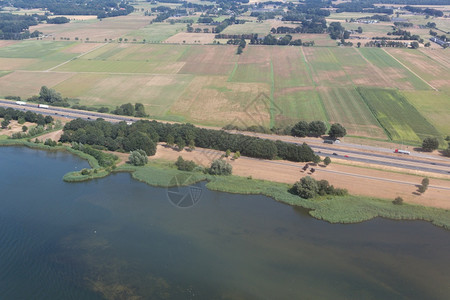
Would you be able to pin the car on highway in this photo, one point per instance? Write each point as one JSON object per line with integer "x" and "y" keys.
{"x": 345, "y": 155}
{"x": 334, "y": 153}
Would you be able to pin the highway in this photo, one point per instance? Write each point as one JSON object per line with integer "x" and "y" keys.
{"x": 438, "y": 166}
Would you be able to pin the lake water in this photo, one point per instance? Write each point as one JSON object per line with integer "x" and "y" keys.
{"x": 117, "y": 238}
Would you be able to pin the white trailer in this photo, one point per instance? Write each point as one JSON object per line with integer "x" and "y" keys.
{"x": 42, "y": 105}
{"x": 21, "y": 103}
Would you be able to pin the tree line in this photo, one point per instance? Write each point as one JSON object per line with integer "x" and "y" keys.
{"x": 100, "y": 8}
{"x": 145, "y": 134}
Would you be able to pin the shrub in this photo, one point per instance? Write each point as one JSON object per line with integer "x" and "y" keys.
{"x": 327, "y": 161}
{"x": 138, "y": 157}
{"x": 398, "y": 201}
{"x": 220, "y": 167}
{"x": 185, "y": 165}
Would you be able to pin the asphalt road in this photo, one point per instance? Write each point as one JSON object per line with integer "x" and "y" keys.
{"x": 409, "y": 163}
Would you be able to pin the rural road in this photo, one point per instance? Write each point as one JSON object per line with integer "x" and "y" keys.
{"x": 438, "y": 166}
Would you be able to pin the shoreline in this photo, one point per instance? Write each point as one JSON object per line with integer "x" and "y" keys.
{"x": 332, "y": 209}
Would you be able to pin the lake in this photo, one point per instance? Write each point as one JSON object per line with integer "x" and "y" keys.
{"x": 117, "y": 238}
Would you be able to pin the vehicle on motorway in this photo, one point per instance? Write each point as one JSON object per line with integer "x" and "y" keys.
{"x": 345, "y": 155}
{"x": 21, "y": 103}
{"x": 334, "y": 153}
{"x": 42, "y": 106}
{"x": 402, "y": 151}
{"x": 337, "y": 141}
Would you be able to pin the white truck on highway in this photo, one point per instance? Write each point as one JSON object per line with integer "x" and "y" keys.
{"x": 21, "y": 103}
{"x": 42, "y": 105}
{"x": 402, "y": 151}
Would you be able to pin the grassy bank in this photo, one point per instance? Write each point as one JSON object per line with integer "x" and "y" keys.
{"x": 333, "y": 209}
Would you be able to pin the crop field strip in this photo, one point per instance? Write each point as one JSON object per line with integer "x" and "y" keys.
{"x": 433, "y": 72}
{"x": 169, "y": 80}
{"x": 399, "y": 118}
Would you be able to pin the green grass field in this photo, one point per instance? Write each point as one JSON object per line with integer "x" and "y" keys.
{"x": 401, "y": 120}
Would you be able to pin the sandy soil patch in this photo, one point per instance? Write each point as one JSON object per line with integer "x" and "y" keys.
{"x": 14, "y": 127}
{"x": 358, "y": 181}
{"x": 54, "y": 136}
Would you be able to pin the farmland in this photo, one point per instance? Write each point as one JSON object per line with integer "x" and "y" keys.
{"x": 183, "y": 76}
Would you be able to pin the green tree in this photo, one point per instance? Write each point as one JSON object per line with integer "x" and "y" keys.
{"x": 5, "y": 123}
{"x": 24, "y": 128}
{"x": 300, "y": 129}
{"x": 139, "y": 110}
{"x": 306, "y": 188}
{"x": 327, "y": 161}
{"x": 414, "y": 45}
{"x": 316, "y": 128}
{"x": 139, "y": 140}
{"x": 236, "y": 155}
{"x": 337, "y": 131}
{"x": 181, "y": 144}
{"x": 138, "y": 157}
{"x": 227, "y": 153}
{"x": 429, "y": 144}
{"x": 425, "y": 181}
{"x": 220, "y": 167}
{"x": 170, "y": 140}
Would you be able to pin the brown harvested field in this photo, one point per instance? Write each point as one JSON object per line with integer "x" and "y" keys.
{"x": 209, "y": 60}
{"x": 10, "y": 64}
{"x": 213, "y": 100}
{"x": 26, "y": 84}
{"x": 4, "y": 43}
{"x": 439, "y": 55}
{"x": 257, "y": 54}
{"x": 191, "y": 38}
{"x": 289, "y": 68}
{"x": 156, "y": 92}
{"x": 358, "y": 181}
{"x": 319, "y": 39}
{"x": 109, "y": 28}
{"x": 435, "y": 73}
{"x": 81, "y": 48}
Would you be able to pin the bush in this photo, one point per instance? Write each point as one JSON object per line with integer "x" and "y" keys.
{"x": 398, "y": 201}
{"x": 50, "y": 143}
{"x": 220, "y": 167}
{"x": 138, "y": 157}
{"x": 308, "y": 187}
{"x": 327, "y": 161}
{"x": 85, "y": 172}
{"x": 185, "y": 165}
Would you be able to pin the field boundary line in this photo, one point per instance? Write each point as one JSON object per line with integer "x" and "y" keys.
{"x": 411, "y": 70}
{"x": 78, "y": 56}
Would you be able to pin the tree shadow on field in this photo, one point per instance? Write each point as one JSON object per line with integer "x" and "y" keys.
{"x": 416, "y": 193}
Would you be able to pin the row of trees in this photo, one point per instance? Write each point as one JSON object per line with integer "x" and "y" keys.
{"x": 145, "y": 134}
{"x": 317, "y": 129}
{"x": 22, "y": 117}
{"x": 128, "y": 109}
{"x": 100, "y": 8}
